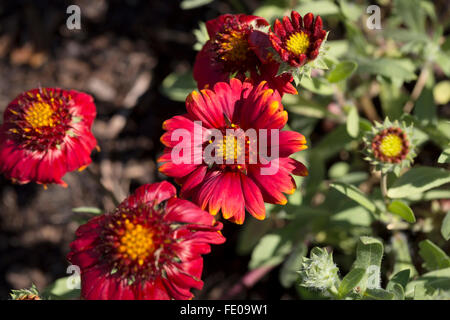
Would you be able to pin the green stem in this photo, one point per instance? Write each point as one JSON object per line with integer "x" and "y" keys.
{"x": 383, "y": 186}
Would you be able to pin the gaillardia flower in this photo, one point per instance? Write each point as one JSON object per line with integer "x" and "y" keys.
{"x": 149, "y": 248}
{"x": 45, "y": 133}
{"x": 297, "y": 41}
{"x": 389, "y": 146}
{"x": 236, "y": 177}
{"x": 235, "y": 48}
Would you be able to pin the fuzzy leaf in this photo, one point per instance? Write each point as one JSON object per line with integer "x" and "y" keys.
{"x": 342, "y": 71}
{"x": 369, "y": 253}
{"x": 350, "y": 281}
{"x": 435, "y": 258}
{"x": 177, "y": 86}
{"x": 378, "y": 294}
{"x": 270, "y": 251}
{"x": 355, "y": 194}
{"x": 429, "y": 284}
{"x": 445, "y": 156}
{"x": 418, "y": 180}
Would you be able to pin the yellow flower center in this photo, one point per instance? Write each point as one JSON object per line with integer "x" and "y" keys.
{"x": 391, "y": 145}
{"x": 230, "y": 148}
{"x": 40, "y": 114}
{"x": 298, "y": 43}
{"x": 137, "y": 242}
{"x": 234, "y": 46}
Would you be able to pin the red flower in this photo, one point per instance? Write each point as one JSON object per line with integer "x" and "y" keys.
{"x": 235, "y": 187}
{"x": 149, "y": 248}
{"x": 298, "y": 41}
{"x": 236, "y": 48}
{"x": 46, "y": 133}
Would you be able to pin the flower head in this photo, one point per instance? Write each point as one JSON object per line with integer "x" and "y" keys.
{"x": 319, "y": 270}
{"x": 389, "y": 146}
{"x": 46, "y": 133}
{"x": 26, "y": 294}
{"x": 232, "y": 119}
{"x": 238, "y": 48}
{"x": 297, "y": 41}
{"x": 149, "y": 248}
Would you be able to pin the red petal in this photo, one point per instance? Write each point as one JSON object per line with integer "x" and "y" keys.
{"x": 287, "y": 25}
{"x": 308, "y": 21}
{"x": 207, "y": 70}
{"x": 254, "y": 202}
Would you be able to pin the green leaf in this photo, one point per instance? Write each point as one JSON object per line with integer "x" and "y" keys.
{"x": 392, "y": 100}
{"x": 191, "y": 4}
{"x": 269, "y": 12}
{"x": 92, "y": 210}
{"x": 402, "y": 210}
{"x": 425, "y": 109}
{"x": 177, "y": 86}
{"x": 418, "y": 180}
{"x": 337, "y": 48}
{"x": 369, "y": 253}
{"x": 378, "y": 294}
{"x": 401, "y": 251}
{"x": 338, "y": 170}
{"x": 353, "y": 122}
{"x": 398, "y": 291}
{"x": 445, "y": 156}
{"x": 412, "y": 14}
{"x": 201, "y": 34}
{"x": 322, "y": 8}
{"x": 397, "y": 69}
{"x": 355, "y": 194}
{"x": 333, "y": 142}
{"x": 270, "y": 251}
{"x": 350, "y": 281}
{"x": 60, "y": 289}
{"x": 401, "y": 278}
{"x": 430, "y": 284}
{"x": 397, "y": 284}
{"x": 342, "y": 71}
{"x": 317, "y": 85}
{"x": 354, "y": 216}
{"x": 289, "y": 270}
{"x": 251, "y": 233}
{"x": 445, "y": 228}
{"x": 350, "y": 11}
{"x": 434, "y": 257}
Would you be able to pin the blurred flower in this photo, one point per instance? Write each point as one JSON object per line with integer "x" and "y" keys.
{"x": 389, "y": 146}
{"x": 45, "y": 133}
{"x": 319, "y": 271}
{"x": 236, "y": 182}
{"x": 26, "y": 294}
{"x": 149, "y": 248}
{"x": 297, "y": 41}
{"x": 237, "y": 47}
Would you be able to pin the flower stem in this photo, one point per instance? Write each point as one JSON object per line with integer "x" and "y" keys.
{"x": 420, "y": 84}
{"x": 383, "y": 186}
